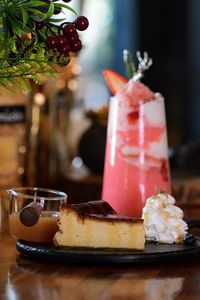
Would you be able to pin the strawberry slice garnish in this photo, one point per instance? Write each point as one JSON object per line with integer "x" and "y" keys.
{"x": 114, "y": 80}
{"x": 133, "y": 117}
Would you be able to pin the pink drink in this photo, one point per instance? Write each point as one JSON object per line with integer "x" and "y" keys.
{"x": 136, "y": 161}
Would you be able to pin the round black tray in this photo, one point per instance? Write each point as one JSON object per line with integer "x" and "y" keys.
{"x": 152, "y": 253}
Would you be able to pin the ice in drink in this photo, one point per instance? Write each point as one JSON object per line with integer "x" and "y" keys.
{"x": 136, "y": 160}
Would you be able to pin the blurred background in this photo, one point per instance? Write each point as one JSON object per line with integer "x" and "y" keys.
{"x": 61, "y": 142}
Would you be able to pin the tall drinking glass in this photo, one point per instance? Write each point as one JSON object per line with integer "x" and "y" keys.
{"x": 136, "y": 160}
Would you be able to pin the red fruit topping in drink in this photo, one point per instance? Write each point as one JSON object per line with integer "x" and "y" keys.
{"x": 133, "y": 117}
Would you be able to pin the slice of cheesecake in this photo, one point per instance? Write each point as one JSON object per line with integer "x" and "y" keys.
{"x": 96, "y": 225}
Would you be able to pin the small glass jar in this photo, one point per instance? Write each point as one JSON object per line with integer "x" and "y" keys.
{"x": 46, "y": 226}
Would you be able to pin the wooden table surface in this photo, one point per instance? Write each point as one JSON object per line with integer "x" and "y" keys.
{"x": 22, "y": 278}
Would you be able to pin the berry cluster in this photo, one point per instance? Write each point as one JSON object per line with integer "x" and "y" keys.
{"x": 57, "y": 40}
{"x": 31, "y": 51}
{"x": 68, "y": 38}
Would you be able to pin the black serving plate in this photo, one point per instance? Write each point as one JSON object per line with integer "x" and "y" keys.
{"x": 153, "y": 253}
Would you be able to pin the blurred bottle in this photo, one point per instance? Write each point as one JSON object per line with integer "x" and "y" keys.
{"x": 49, "y": 109}
{"x": 13, "y": 147}
{"x": 12, "y": 138}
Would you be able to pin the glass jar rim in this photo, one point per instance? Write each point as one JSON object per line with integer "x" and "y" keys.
{"x": 18, "y": 191}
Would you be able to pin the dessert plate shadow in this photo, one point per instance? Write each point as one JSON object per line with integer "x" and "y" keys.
{"x": 153, "y": 253}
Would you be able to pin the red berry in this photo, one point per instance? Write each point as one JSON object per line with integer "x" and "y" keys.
{"x": 61, "y": 41}
{"x": 65, "y": 50}
{"x": 52, "y": 42}
{"x": 69, "y": 30}
{"x": 73, "y": 38}
{"x": 81, "y": 23}
{"x": 39, "y": 25}
{"x": 75, "y": 46}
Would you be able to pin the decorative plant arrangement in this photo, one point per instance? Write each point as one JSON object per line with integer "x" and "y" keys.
{"x": 33, "y": 39}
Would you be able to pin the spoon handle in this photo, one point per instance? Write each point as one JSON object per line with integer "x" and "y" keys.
{"x": 30, "y": 214}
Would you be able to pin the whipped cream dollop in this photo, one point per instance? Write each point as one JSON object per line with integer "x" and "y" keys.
{"x": 163, "y": 220}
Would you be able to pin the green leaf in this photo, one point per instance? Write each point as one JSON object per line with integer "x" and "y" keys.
{"x": 34, "y": 12}
{"x": 13, "y": 45}
{"x": 17, "y": 26}
{"x": 42, "y": 34}
{"x": 65, "y": 6}
{"x": 50, "y": 11}
{"x": 39, "y": 18}
{"x": 52, "y": 20}
{"x": 37, "y": 3}
{"x": 25, "y": 17}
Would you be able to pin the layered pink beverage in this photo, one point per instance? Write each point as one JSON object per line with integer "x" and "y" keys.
{"x": 136, "y": 161}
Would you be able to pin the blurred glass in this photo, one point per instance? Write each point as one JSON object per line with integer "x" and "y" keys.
{"x": 13, "y": 146}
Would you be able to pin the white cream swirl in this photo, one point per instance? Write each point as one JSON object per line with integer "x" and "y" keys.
{"x": 163, "y": 220}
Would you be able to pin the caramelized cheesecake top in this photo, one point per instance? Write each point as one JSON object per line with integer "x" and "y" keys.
{"x": 98, "y": 209}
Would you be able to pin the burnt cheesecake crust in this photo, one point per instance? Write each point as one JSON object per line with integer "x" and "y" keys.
{"x": 95, "y": 224}
{"x": 99, "y": 207}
